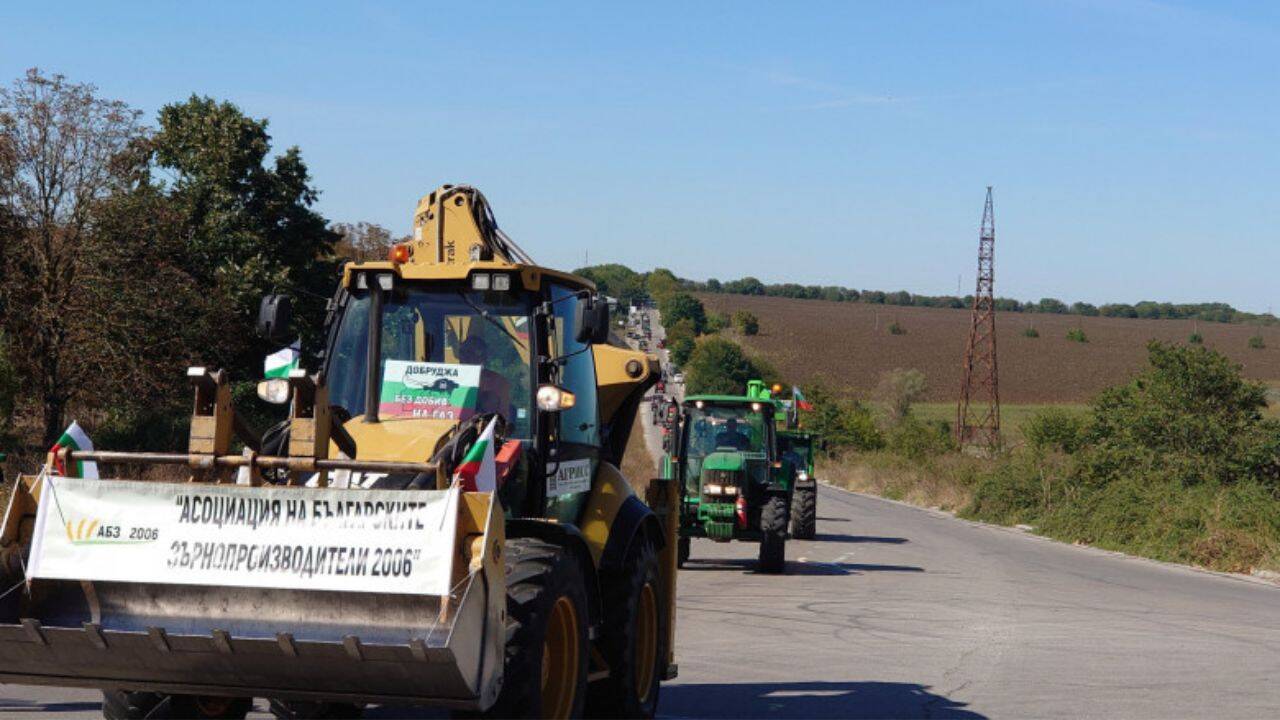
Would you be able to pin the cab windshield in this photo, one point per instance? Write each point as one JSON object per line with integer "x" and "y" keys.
{"x": 445, "y": 354}
{"x": 723, "y": 427}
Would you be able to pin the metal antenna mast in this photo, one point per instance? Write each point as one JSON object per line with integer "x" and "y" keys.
{"x": 978, "y": 415}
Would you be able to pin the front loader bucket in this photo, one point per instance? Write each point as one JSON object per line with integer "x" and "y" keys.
{"x": 261, "y": 642}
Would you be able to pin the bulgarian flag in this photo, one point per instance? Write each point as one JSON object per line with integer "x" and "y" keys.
{"x": 75, "y": 439}
{"x": 477, "y": 471}
{"x": 279, "y": 363}
{"x": 799, "y": 397}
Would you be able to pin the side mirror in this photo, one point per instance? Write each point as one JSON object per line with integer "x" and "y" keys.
{"x": 275, "y": 314}
{"x": 591, "y": 320}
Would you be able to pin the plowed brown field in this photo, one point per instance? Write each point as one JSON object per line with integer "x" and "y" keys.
{"x": 847, "y": 346}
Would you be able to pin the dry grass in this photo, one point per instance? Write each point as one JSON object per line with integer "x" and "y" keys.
{"x": 945, "y": 482}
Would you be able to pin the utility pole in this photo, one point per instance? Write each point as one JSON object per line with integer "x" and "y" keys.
{"x": 978, "y": 414}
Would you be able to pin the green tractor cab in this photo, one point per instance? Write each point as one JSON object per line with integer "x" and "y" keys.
{"x": 796, "y": 447}
{"x": 734, "y": 485}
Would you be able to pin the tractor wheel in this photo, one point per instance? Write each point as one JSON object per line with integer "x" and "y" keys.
{"x": 683, "y": 549}
{"x": 126, "y": 705}
{"x": 315, "y": 710}
{"x": 773, "y": 546}
{"x": 633, "y": 638}
{"x": 804, "y": 514}
{"x": 545, "y": 672}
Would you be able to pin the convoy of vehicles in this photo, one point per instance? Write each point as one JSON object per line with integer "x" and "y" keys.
{"x": 559, "y": 583}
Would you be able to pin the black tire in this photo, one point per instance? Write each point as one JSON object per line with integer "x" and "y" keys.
{"x": 126, "y": 705}
{"x": 773, "y": 546}
{"x": 804, "y": 514}
{"x": 315, "y": 710}
{"x": 539, "y": 575}
{"x": 683, "y": 548}
{"x": 633, "y": 639}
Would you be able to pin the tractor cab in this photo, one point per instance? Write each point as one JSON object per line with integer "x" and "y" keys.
{"x": 734, "y": 484}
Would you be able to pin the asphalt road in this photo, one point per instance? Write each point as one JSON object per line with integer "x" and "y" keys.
{"x": 895, "y": 611}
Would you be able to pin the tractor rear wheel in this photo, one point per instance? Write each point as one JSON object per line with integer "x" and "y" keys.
{"x": 633, "y": 638}
{"x": 545, "y": 672}
{"x": 126, "y": 705}
{"x": 773, "y": 525}
{"x": 804, "y": 514}
{"x": 683, "y": 548}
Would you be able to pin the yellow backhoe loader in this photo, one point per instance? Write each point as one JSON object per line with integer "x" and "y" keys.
{"x": 440, "y": 521}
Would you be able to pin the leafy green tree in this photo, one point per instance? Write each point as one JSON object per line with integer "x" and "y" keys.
{"x": 249, "y": 224}
{"x": 679, "y": 306}
{"x": 719, "y": 366}
{"x": 661, "y": 283}
{"x": 899, "y": 389}
{"x": 747, "y": 322}
{"x": 617, "y": 281}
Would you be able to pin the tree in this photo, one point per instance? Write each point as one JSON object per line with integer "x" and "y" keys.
{"x": 363, "y": 241}
{"x": 660, "y": 283}
{"x": 62, "y": 149}
{"x": 747, "y": 322}
{"x": 745, "y": 286}
{"x": 249, "y": 227}
{"x": 683, "y": 306}
{"x": 719, "y": 366}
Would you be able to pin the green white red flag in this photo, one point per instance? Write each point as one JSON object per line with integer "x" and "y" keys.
{"x": 279, "y": 363}
{"x": 74, "y": 438}
{"x": 799, "y": 397}
{"x": 477, "y": 471}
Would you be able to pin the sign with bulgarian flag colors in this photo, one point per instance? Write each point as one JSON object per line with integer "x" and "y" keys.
{"x": 437, "y": 391}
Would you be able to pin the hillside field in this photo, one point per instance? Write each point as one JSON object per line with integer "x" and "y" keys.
{"x": 847, "y": 347}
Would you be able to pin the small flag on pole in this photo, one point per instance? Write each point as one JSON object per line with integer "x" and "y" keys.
{"x": 800, "y": 401}
{"x": 74, "y": 439}
{"x": 279, "y": 363}
{"x": 477, "y": 471}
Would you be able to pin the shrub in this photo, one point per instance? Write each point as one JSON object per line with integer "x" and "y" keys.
{"x": 917, "y": 440}
{"x": 716, "y": 322}
{"x": 899, "y": 389}
{"x": 1031, "y": 333}
{"x": 1055, "y": 429}
{"x": 840, "y": 424}
{"x": 1195, "y": 338}
{"x": 1257, "y": 343}
{"x": 747, "y": 322}
{"x": 896, "y": 329}
{"x": 1077, "y": 335}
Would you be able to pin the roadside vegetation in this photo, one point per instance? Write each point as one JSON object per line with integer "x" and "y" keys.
{"x": 1181, "y": 464}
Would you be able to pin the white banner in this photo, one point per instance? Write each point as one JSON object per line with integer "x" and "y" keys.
{"x": 383, "y": 541}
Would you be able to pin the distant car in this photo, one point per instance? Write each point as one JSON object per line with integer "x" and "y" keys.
{"x": 678, "y": 378}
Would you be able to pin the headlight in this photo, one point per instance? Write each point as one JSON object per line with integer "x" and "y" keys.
{"x": 802, "y": 475}
{"x": 551, "y": 398}
{"x": 711, "y": 489}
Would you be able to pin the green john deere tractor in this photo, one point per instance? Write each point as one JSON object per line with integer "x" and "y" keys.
{"x": 796, "y": 446}
{"x": 733, "y": 483}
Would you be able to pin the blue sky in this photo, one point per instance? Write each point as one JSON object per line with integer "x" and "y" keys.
{"x": 1132, "y": 144}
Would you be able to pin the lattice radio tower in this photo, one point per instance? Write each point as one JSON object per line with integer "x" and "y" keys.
{"x": 978, "y": 415}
